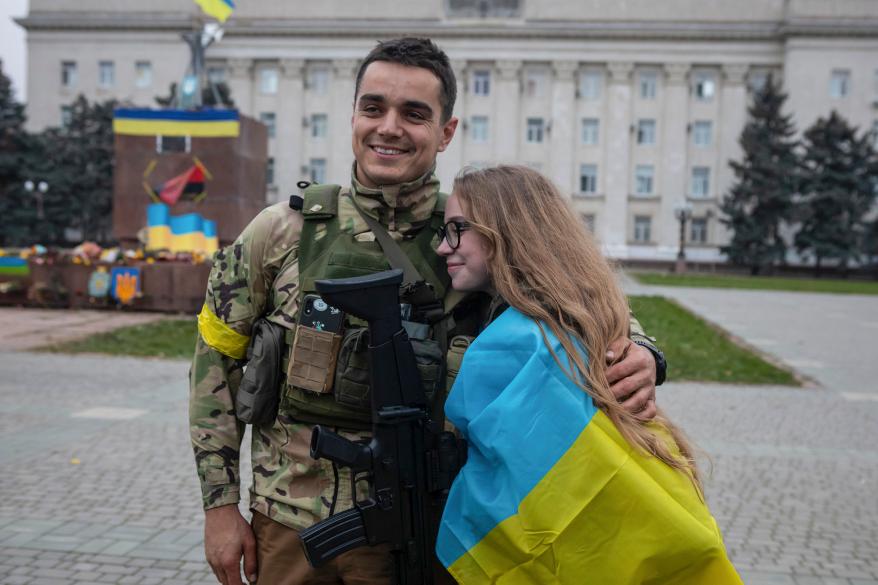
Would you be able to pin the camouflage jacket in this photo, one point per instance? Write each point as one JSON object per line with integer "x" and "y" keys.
{"x": 258, "y": 276}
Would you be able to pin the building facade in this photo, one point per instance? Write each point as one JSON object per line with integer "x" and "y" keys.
{"x": 633, "y": 108}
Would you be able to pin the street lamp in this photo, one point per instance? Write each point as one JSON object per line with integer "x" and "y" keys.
{"x": 682, "y": 211}
{"x": 38, "y": 190}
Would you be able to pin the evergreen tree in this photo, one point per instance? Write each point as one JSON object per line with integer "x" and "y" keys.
{"x": 838, "y": 190}
{"x": 82, "y": 161}
{"x": 762, "y": 196}
{"x": 12, "y": 147}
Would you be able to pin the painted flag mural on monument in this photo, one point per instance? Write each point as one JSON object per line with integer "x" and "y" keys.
{"x": 551, "y": 492}
{"x": 219, "y": 9}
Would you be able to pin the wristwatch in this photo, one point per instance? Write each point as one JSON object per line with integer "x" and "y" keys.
{"x": 661, "y": 364}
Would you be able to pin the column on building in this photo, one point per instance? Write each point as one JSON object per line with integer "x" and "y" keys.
{"x": 288, "y": 151}
{"x": 615, "y": 225}
{"x": 453, "y": 159}
{"x": 562, "y": 144}
{"x": 675, "y": 119}
{"x": 241, "y": 84}
{"x": 733, "y": 116}
{"x": 508, "y": 103}
{"x": 343, "y": 82}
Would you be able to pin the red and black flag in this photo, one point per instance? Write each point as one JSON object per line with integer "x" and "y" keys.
{"x": 188, "y": 185}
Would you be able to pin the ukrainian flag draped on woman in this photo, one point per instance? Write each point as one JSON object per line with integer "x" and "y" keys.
{"x": 551, "y": 492}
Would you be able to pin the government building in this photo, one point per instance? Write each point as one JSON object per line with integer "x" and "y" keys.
{"x": 634, "y": 108}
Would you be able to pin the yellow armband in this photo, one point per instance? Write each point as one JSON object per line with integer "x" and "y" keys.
{"x": 220, "y": 336}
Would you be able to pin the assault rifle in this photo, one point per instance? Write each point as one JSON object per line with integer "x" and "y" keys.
{"x": 409, "y": 463}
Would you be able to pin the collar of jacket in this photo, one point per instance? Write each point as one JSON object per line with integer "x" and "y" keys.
{"x": 404, "y": 203}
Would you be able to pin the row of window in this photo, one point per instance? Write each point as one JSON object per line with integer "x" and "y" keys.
{"x": 318, "y": 124}
{"x": 590, "y": 87}
{"x": 643, "y": 228}
{"x": 536, "y": 81}
{"x": 106, "y": 74}
{"x": 268, "y": 78}
{"x": 536, "y": 130}
{"x": 644, "y": 180}
{"x": 316, "y": 171}
{"x": 703, "y": 83}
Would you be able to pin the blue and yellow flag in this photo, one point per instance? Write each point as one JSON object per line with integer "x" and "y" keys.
{"x": 551, "y": 492}
{"x": 184, "y": 233}
{"x": 196, "y": 123}
{"x": 219, "y": 9}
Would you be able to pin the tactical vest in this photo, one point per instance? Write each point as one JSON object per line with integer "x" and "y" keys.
{"x": 327, "y": 251}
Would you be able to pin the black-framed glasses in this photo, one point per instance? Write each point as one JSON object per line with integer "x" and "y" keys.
{"x": 450, "y": 232}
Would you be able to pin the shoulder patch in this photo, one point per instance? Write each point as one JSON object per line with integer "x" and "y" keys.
{"x": 320, "y": 201}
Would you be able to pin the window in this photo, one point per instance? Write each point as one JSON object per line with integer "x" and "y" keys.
{"x": 698, "y": 230}
{"x": 318, "y": 170}
{"x": 588, "y": 179}
{"x": 173, "y": 144}
{"x": 590, "y": 131}
{"x": 700, "y": 182}
{"x": 319, "y": 125}
{"x": 143, "y": 74}
{"x": 536, "y": 127}
{"x": 479, "y": 126}
{"x": 106, "y": 74}
{"x": 587, "y": 221}
{"x": 268, "y": 118}
{"x": 642, "y": 229}
{"x": 643, "y": 175}
{"x": 590, "y": 85}
{"x": 840, "y": 83}
{"x": 646, "y": 132}
{"x": 268, "y": 78}
{"x": 481, "y": 82}
{"x": 704, "y": 86}
{"x": 757, "y": 80}
{"x": 535, "y": 82}
{"x": 269, "y": 171}
{"x": 702, "y": 133}
{"x": 318, "y": 80}
{"x": 66, "y": 115}
{"x": 648, "y": 85}
{"x": 69, "y": 77}
{"x": 483, "y": 8}
{"x": 216, "y": 74}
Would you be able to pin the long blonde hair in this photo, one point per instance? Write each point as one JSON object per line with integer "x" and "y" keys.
{"x": 544, "y": 263}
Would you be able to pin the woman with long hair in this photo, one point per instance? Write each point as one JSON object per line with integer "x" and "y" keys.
{"x": 562, "y": 484}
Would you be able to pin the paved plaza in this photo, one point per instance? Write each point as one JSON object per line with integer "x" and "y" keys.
{"x": 98, "y": 482}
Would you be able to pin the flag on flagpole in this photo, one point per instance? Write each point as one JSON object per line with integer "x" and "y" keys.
{"x": 219, "y": 9}
{"x": 551, "y": 491}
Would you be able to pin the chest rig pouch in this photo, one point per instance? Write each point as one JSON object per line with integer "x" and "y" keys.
{"x": 328, "y": 251}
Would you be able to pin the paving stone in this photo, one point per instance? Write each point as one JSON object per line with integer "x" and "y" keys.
{"x": 791, "y": 487}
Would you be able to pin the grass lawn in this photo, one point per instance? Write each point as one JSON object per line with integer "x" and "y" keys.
{"x": 174, "y": 338}
{"x": 694, "y": 349}
{"x": 826, "y": 285}
{"x": 697, "y": 351}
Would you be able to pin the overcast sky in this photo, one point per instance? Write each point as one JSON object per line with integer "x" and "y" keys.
{"x": 12, "y": 48}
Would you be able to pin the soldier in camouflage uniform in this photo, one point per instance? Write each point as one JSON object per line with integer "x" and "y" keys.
{"x": 402, "y": 118}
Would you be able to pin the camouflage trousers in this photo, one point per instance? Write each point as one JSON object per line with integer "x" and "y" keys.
{"x": 281, "y": 561}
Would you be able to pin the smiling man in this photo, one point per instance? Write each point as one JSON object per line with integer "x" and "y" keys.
{"x": 402, "y": 118}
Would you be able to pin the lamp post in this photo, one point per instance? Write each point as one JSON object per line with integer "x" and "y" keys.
{"x": 38, "y": 190}
{"x": 682, "y": 211}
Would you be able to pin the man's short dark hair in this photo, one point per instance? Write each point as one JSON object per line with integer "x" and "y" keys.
{"x": 415, "y": 52}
